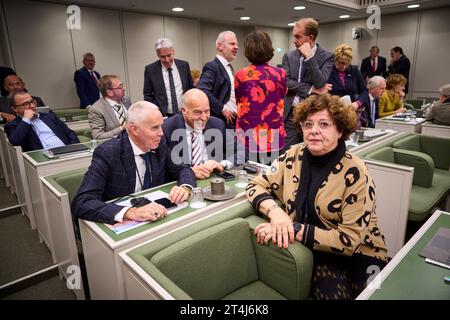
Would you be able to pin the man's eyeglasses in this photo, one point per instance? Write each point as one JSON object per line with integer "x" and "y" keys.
{"x": 121, "y": 86}
{"x": 322, "y": 124}
{"x": 27, "y": 104}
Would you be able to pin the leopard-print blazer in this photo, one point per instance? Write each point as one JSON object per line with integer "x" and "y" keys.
{"x": 345, "y": 204}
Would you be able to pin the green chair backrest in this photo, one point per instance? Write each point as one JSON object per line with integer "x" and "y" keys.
{"x": 211, "y": 263}
{"x": 417, "y": 103}
{"x": 71, "y": 183}
{"x": 383, "y": 154}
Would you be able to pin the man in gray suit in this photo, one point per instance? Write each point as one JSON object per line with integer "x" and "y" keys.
{"x": 308, "y": 68}
{"x": 107, "y": 116}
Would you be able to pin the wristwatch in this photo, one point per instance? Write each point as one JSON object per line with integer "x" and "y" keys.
{"x": 297, "y": 228}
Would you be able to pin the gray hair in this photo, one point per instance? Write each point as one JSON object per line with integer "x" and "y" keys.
{"x": 88, "y": 54}
{"x": 139, "y": 111}
{"x": 445, "y": 90}
{"x": 163, "y": 43}
{"x": 221, "y": 36}
{"x": 374, "y": 82}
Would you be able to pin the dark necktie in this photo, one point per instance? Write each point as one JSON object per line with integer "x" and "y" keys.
{"x": 173, "y": 94}
{"x": 148, "y": 173}
{"x": 94, "y": 77}
{"x": 374, "y": 67}
{"x": 232, "y": 69}
{"x": 374, "y": 112}
{"x": 119, "y": 111}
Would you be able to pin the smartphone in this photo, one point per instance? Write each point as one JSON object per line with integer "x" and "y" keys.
{"x": 165, "y": 202}
{"x": 226, "y": 175}
{"x": 139, "y": 202}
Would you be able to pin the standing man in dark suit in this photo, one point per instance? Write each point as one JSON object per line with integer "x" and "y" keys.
{"x": 167, "y": 79}
{"x": 217, "y": 81}
{"x": 86, "y": 80}
{"x": 373, "y": 65}
{"x": 195, "y": 137}
{"x": 134, "y": 161}
{"x": 376, "y": 87}
{"x": 32, "y": 130}
{"x": 308, "y": 68}
{"x": 399, "y": 64}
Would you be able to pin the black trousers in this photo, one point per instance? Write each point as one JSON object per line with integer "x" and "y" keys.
{"x": 337, "y": 277}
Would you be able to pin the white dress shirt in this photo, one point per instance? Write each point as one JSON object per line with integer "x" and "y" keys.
{"x": 140, "y": 174}
{"x": 178, "y": 86}
{"x": 231, "y": 104}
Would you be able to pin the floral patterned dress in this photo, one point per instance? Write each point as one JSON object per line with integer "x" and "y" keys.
{"x": 260, "y": 92}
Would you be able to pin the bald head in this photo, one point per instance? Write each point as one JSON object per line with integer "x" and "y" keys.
{"x": 195, "y": 108}
{"x": 13, "y": 83}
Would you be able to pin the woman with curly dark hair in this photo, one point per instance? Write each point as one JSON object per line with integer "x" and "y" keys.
{"x": 327, "y": 201}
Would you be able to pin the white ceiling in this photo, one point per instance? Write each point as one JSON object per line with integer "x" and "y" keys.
{"x": 272, "y": 13}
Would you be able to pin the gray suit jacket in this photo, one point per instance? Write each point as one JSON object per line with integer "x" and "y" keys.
{"x": 318, "y": 70}
{"x": 103, "y": 120}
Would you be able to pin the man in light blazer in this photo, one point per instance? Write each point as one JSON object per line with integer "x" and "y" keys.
{"x": 308, "y": 68}
{"x": 107, "y": 116}
{"x": 166, "y": 79}
{"x": 86, "y": 80}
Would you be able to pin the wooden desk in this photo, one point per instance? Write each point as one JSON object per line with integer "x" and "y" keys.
{"x": 407, "y": 275}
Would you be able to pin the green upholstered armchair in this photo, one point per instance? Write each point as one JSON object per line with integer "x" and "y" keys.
{"x": 84, "y": 135}
{"x": 224, "y": 261}
{"x": 430, "y": 184}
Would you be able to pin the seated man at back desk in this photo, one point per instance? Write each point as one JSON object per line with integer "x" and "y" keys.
{"x": 13, "y": 83}
{"x": 137, "y": 159}
{"x": 195, "y": 137}
{"x": 439, "y": 111}
{"x": 32, "y": 130}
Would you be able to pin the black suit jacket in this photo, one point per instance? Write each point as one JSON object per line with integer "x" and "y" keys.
{"x": 214, "y": 134}
{"x": 366, "y": 118}
{"x": 401, "y": 66}
{"x": 354, "y": 86}
{"x": 22, "y": 134}
{"x": 215, "y": 82}
{"x": 112, "y": 174}
{"x": 154, "y": 88}
{"x": 87, "y": 88}
{"x": 366, "y": 67}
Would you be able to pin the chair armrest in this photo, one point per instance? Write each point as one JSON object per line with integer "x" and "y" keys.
{"x": 288, "y": 270}
{"x": 422, "y": 163}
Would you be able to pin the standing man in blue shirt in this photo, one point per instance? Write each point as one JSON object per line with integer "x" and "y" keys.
{"x": 32, "y": 130}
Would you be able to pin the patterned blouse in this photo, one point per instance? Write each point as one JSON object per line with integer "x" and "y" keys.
{"x": 260, "y": 92}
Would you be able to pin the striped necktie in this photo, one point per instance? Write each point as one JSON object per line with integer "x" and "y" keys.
{"x": 173, "y": 94}
{"x": 196, "y": 149}
{"x": 121, "y": 114}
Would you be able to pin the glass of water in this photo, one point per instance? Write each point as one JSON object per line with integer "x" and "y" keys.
{"x": 94, "y": 144}
{"x": 197, "y": 200}
{"x": 242, "y": 179}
